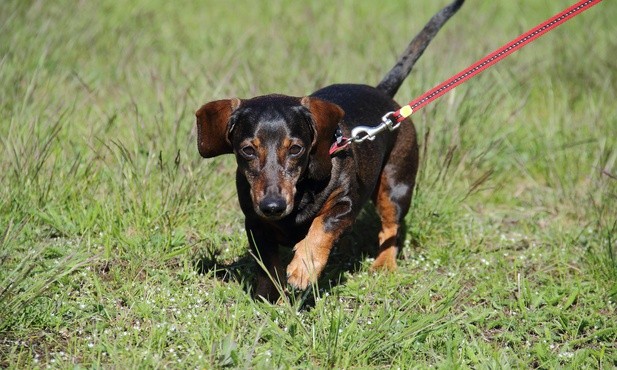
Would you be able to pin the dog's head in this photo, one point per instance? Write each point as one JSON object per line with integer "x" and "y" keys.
{"x": 276, "y": 139}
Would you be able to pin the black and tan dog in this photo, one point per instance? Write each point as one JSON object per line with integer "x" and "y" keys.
{"x": 292, "y": 191}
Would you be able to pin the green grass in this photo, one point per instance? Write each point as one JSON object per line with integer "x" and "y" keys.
{"x": 120, "y": 247}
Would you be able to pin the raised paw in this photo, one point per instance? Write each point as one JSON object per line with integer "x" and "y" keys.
{"x": 297, "y": 274}
{"x": 304, "y": 268}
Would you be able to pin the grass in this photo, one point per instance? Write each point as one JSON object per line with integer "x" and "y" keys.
{"x": 120, "y": 247}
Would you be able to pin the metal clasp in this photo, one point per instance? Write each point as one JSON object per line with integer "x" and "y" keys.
{"x": 361, "y": 133}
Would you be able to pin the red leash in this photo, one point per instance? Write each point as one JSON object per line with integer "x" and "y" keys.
{"x": 362, "y": 133}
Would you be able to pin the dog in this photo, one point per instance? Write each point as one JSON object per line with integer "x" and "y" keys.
{"x": 293, "y": 191}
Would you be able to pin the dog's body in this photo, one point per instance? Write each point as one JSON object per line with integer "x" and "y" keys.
{"x": 293, "y": 192}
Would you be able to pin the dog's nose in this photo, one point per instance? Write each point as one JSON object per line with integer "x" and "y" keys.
{"x": 272, "y": 206}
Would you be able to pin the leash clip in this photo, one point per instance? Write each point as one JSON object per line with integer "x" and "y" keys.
{"x": 361, "y": 133}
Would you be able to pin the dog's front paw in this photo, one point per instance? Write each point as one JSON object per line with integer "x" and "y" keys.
{"x": 304, "y": 268}
{"x": 297, "y": 274}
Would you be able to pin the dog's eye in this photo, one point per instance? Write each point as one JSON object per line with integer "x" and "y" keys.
{"x": 295, "y": 150}
{"x": 248, "y": 152}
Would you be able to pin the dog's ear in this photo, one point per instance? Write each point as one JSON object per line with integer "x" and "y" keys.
{"x": 325, "y": 117}
{"x": 213, "y": 127}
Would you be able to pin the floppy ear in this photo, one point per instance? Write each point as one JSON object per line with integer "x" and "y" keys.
{"x": 325, "y": 117}
{"x": 213, "y": 127}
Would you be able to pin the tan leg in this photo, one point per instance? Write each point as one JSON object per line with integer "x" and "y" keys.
{"x": 392, "y": 197}
{"x": 311, "y": 255}
{"x": 312, "y": 252}
{"x": 388, "y": 236}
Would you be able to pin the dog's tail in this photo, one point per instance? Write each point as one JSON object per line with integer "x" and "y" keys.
{"x": 393, "y": 80}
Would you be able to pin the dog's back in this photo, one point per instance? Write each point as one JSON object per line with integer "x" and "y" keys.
{"x": 364, "y": 105}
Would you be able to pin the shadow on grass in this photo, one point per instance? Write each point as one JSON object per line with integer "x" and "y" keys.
{"x": 346, "y": 257}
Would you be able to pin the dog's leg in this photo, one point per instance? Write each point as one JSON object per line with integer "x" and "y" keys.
{"x": 266, "y": 251}
{"x": 312, "y": 252}
{"x": 389, "y": 234}
{"x": 392, "y": 196}
{"x": 311, "y": 255}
